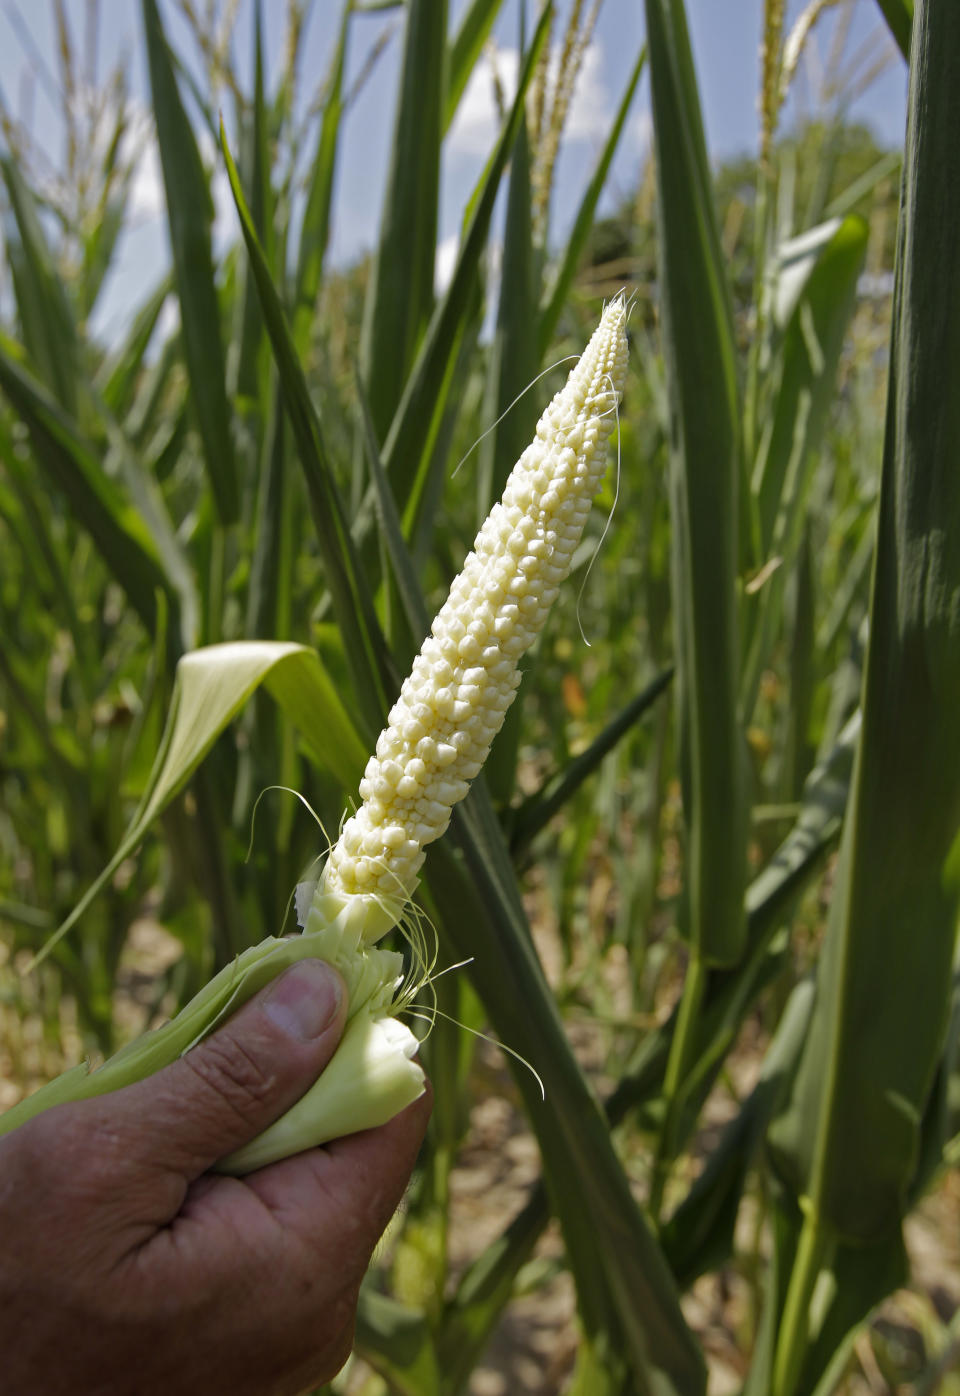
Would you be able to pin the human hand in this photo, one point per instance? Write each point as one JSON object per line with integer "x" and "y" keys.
{"x": 126, "y": 1269}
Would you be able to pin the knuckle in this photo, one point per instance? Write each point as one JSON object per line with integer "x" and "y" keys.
{"x": 232, "y": 1075}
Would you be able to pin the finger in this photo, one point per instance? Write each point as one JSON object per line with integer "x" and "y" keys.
{"x": 341, "y": 1197}
{"x": 233, "y": 1084}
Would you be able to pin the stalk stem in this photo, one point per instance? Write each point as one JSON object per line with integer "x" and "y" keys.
{"x": 218, "y": 562}
{"x": 751, "y": 396}
{"x": 795, "y": 1323}
{"x": 683, "y": 1051}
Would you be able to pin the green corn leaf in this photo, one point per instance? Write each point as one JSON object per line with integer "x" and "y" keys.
{"x": 212, "y": 685}
{"x": 267, "y": 752}
{"x": 706, "y": 500}
{"x": 33, "y": 547}
{"x": 391, "y": 529}
{"x": 898, "y": 880}
{"x": 45, "y": 313}
{"x": 155, "y": 399}
{"x": 860, "y": 189}
{"x": 118, "y": 375}
{"x": 899, "y": 17}
{"x": 189, "y": 79}
{"x": 400, "y": 293}
{"x": 625, "y": 1292}
{"x": 797, "y": 751}
{"x": 406, "y": 456}
{"x": 272, "y": 560}
{"x": 148, "y": 502}
{"x": 315, "y": 233}
{"x": 100, "y": 240}
{"x": 189, "y": 214}
{"x": 313, "y": 704}
{"x": 397, "y": 1343}
{"x": 19, "y": 915}
{"x": 853, "y": 586}
{"x": 61, "y": 750}
{"x": 29, "y": 522}
{"x": 512, "y": 363}
{"x": 559, "y": 289}
{"x": 100, "y": 245}
{"x": 855, "y": 1279}
{"x": 730, "y": 994}
{"x": 941, "y": 1120}
{"x": 849, "y": 1139}
{"x": 245, "y": 376}
{"x": 784, "y": 1230}
{"x": 704, "y": 489}
{"x": 463, "y": 52}
{"x": 425, "y": 509}
{"x": 598, "y": 1371}
{"x": 816, "y": 281}
{"x": 71, "y": 466}
{"x": 365, "y": 648}
{"x": 485, "y": 1289}
{"x": 538, "y": 809}
{"x": 699, "y": 1234}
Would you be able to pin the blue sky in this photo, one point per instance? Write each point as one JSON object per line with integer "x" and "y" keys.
{"x": 725, "y": 36}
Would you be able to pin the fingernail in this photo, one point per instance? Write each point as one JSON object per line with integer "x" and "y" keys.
{"x": 305, "y": 999}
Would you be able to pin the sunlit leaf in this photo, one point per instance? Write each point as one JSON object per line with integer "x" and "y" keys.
{"x": 212, "y": 685}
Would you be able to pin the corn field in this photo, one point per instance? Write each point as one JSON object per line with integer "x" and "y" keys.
{"x": 705, "y": 889}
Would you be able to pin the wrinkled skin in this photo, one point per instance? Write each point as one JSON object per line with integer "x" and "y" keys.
{"x": 127, "y": 1268}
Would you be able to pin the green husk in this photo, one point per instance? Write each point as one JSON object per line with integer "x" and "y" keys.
{"x": 369, "y": 1080}
{"x": 372, "y": 977}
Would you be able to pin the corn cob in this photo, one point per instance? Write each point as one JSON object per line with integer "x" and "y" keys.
{"x": 466, "y": 675}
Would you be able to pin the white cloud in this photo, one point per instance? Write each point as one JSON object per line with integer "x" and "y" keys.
{"x": 477, "y": 122}
{"x": 590, "y": 115}
{"x": 146, "y": 188}
{"x": 638, "y": 132}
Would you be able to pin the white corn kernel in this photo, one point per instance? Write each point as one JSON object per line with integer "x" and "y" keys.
{"x": 453, "y": 703}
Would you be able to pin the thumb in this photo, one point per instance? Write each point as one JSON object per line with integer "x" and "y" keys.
{"x": 233, "y": 1084}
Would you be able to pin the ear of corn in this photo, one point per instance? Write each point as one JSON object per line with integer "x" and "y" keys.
{"x": 439, "y": 733}
{"x": 465, "y": 677}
